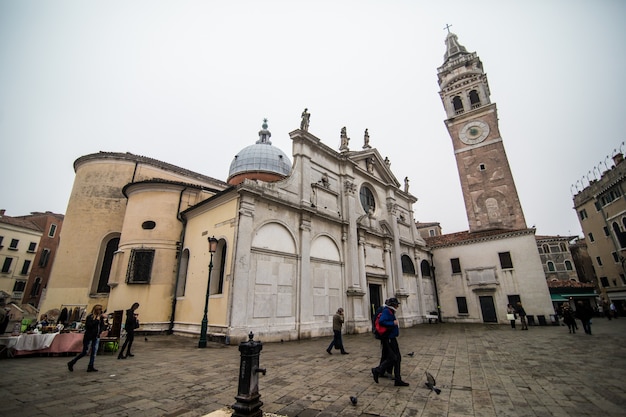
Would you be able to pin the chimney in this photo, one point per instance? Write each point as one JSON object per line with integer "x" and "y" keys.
{"x": 2, "y": 212}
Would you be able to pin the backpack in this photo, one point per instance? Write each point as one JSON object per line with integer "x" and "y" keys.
{"x": 379, "y": 329}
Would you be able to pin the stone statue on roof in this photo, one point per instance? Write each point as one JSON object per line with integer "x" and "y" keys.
{"x": 304, "y": 124}
{"x": 366, "y": 140}
{"x": 344, "y": 140}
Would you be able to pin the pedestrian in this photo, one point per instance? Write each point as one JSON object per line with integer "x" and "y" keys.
{"x": 613, "y": 310}
{"x": 93, "y": 326}
{"x": 132, "y": 322}
{"x": 389, "y": 341}
{"x": 522, "y": 315}
{"x": 337, "y": 325}
{"x": 511, "y": 314}
{"x": 584, "y": 313}
{"x": 382, "y": 351}
{"x": 569, "y": 319}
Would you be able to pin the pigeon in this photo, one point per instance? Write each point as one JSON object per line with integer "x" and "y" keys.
{"x": 145, "y": 338}
{"x": 411, "y": 354}
{"x": 430, "y": 383}
{"x": 353, "y": 400}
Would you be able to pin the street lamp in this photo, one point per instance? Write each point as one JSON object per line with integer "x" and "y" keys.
{"x": 205, "y": 322}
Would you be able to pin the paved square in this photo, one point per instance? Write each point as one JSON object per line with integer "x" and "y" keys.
{"x": 482, "y": 370}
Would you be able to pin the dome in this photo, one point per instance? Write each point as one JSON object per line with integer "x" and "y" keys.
{"x": 260, "y": 161}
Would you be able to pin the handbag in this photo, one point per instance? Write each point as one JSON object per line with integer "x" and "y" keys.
{"x": 510, "y": 316}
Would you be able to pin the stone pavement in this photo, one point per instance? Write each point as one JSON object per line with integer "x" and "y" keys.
{"x": 482, "y": 370}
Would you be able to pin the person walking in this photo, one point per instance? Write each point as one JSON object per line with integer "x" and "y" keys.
{"x": 337, "y": 341}
{"x": 522, "y": 315}
{"x": 132, "y": 322}
{"x": 93, "y": 326}
{"x": 389, "y": 340}
{"x": 511, "y": 314}
{"x": 584, "y": 313}
{"x": 569, "y": 319}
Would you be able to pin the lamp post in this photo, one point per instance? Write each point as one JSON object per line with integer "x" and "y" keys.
{"x": 205, "y": 322}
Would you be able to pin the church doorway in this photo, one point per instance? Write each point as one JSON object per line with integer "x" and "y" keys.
{"x": 488, "y": 309}
{"x": 375, "y": 298}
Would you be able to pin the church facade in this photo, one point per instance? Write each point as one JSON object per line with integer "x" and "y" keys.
{"x": 295, "y": 241}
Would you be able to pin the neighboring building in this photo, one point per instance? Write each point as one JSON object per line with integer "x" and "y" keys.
{"x": 51, "y": 225}
{"x": 559, "y": 265}
{"x": 557, "y": 261}
{"x": 601, "y": 209}
{"x": 426, "y": 230}
{"x": 295, "y": 242}
{"x": 19, "y": 240}
{"x": 496, "y": 262}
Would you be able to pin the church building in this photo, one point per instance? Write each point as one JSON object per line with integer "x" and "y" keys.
{"x": 281, "y": 245}
{"x": 295, "y": 241}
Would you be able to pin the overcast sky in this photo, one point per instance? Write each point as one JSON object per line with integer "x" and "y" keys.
{"x": 189, "y": 83}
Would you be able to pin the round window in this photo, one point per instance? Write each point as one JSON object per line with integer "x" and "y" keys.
{"x": 148, "y": 225}
{"x": 367, "y": 199}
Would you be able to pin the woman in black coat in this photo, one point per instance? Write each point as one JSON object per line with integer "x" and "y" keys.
{"x": 93, "y": 326}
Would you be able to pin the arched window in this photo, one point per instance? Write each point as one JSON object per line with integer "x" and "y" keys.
{"x": 425, "y": 267}
{"x": 407, "y": 265}
{"x": 219, "y": 266}
{"x": 182, "y": 273}
{"x": 568, "y": 265}
{"x": 621, "y": 237}
{"x": 107, "y": 261}
{"x": 474, "y": 99}
{"x": 458, "y": 104}
{"x": 546, "y": 248}
{"x": 550, "y": 266}
{"x": 45, "y": 255}
{"x": 34, "y": 290}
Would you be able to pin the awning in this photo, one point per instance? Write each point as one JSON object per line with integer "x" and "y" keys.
{"x": 583, "y": 294}
{"x": 557, "y": 297}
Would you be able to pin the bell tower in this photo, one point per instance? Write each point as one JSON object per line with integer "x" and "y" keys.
{"x": 491, "y": 200}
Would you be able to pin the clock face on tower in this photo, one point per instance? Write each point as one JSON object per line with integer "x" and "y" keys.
{"x": 474, "y": 132}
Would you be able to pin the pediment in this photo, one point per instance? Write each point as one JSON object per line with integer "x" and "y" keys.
{"x": 370, "y": 163}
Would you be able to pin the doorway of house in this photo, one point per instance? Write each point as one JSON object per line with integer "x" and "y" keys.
{"x": 488, "y": 308}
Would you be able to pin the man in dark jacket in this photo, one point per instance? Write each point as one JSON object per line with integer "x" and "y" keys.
{"x": 391, "y": 350}
{"x": 337, "y": 342}
{"x": 130, "y": 325}
{"x": 584, "y": 313}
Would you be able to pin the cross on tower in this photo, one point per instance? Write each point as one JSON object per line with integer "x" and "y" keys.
{"x": 447, "y": 27}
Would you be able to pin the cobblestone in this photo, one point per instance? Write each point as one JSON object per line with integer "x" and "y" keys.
{"x": 482, "y": 370}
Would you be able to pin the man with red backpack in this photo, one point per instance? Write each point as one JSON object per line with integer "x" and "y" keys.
{"x": 388, "y": 339}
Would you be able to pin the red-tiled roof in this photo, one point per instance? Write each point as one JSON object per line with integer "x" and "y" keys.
{"x": 459, "y": 238}
{"x": 26, "y": 224}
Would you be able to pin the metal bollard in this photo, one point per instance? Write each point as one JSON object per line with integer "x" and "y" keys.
{"x": 248, "y": 398}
